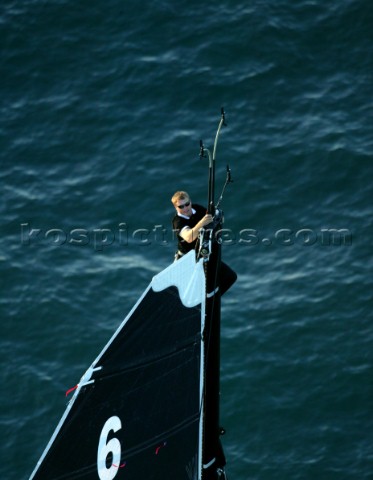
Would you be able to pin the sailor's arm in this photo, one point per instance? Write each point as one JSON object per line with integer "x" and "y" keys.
{"x": 190, "y": 234}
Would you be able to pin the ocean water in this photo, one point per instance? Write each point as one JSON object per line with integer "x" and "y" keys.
{"x": 103, "y": 105}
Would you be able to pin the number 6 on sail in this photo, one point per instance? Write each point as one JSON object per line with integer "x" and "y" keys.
{"x": 106, "y": 447}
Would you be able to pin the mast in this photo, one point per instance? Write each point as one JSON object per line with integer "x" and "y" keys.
{"x": 213, "y": 459}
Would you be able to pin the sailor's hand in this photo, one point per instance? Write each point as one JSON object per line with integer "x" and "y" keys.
{"x": 206, "y": 220}
{"x": 190, "y": 234}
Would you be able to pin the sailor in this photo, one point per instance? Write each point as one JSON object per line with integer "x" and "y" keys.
{"x": 187, "y": 222}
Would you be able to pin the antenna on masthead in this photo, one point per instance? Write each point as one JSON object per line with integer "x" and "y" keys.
{"x": 212, "y": 157}
{"x": 223, "y": 116}
{"x": 201, "y": 149}
{"x": 228, "y": 179}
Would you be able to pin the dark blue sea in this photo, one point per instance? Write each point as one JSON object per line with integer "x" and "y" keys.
{"x": 103, "y": 105}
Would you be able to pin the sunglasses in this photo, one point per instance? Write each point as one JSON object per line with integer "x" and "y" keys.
{"x": 183, "y": 206}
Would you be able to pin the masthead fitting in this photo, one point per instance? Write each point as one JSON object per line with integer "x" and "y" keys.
{"x": 201, "y": 149}
{"x": 223, "y": 116}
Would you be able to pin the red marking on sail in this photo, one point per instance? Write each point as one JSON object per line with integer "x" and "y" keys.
{"x": 119, "y": 466}
{"x": 160, "y": 446}
{"x": 71, "y": 390}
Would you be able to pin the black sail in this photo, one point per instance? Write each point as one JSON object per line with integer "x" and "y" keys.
{"x": 137, "y": 411}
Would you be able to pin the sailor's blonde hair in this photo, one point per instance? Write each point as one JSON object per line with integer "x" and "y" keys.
{"x": 180, "y": 195}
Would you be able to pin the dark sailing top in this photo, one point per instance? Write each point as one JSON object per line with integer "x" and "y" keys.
{"x": 181, "y": 221}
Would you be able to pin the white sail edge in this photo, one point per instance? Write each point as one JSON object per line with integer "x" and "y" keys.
{"x": 84, "y": 381}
